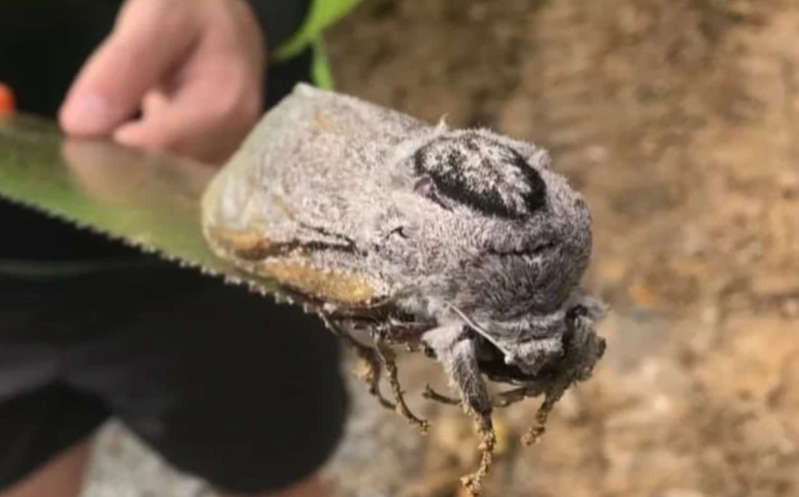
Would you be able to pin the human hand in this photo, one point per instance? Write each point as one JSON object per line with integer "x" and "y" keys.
{"x": 176, "y": 75}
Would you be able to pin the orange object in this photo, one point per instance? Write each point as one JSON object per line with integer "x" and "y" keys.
{"x": 6, "y": 100}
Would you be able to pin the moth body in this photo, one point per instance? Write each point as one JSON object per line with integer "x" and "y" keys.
{"x": 465, "y": 240}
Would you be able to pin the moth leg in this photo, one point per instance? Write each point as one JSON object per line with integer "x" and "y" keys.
{"x": 534, "y": 433}
{"x": 502, "y": 399}
{"x": 372, "y": 367}
{"x": 372, "y": 373}
{"x": 430, "y": 393}
{"x": 583, "y": 350}
{"x": 456, "y": 351}
{"x": 510, "y": 397}
{"x": 387, "y": 357}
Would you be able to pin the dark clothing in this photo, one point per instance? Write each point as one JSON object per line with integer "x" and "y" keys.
{"x": 224, "y": 384}
{"x": 43, "y": 43}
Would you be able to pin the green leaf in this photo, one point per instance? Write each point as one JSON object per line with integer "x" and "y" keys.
{"x": 322, "y": 14}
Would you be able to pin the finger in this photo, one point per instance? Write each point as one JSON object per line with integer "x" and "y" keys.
{"x": 200, "y": 121}
{"x": 149, "y": 38}
{"x": 154, "y": 101}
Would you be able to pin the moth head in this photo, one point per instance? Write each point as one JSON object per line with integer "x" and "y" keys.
{"x": 532, "y": 347}
{"x": 510, "y": 235}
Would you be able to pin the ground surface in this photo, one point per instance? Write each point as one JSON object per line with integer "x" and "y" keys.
{"x": 679, "y": 121}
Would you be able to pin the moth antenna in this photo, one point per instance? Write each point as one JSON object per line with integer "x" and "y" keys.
{"x": 476, "y": 327}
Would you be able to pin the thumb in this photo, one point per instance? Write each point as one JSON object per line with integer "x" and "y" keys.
{"x": 149, "y": 38}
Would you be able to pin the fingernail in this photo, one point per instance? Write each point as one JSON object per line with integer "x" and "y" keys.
{"x": 86, "y": 114}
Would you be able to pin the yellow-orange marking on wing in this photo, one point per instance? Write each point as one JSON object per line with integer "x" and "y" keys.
{"x": 238, "y": 240}
{"x": 329, "y": 285}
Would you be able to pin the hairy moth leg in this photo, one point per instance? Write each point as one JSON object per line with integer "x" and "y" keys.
{"x": 502, "y": 399}
{"x": 431, "y": 394}
{"x": 582, "y": 349}
{"x": 534, "y": 433}
{"x": 369, "y": 359}
{"x": 456, "y": 351}
{"x": 537, "y": 429}
{"x": 387, "y": 357}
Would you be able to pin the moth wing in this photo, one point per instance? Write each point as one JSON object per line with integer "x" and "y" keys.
{"x": 311, "y": 174}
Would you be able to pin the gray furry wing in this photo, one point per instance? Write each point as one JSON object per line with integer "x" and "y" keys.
{"x": 320, "y": 159}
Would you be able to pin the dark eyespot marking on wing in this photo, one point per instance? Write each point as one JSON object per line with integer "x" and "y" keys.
{"x": 426, "y": 187}
{"x": 483, "y": 174}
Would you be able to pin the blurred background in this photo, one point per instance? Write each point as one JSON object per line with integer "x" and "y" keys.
{"x": 678, "y": 120}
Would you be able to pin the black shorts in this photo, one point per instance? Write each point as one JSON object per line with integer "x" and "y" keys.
{"x": 224, "y": 384}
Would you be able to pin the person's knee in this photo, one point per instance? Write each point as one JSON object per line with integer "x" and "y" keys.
{"x": 60, "y": 477}
{"x": 44, "y": 437}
